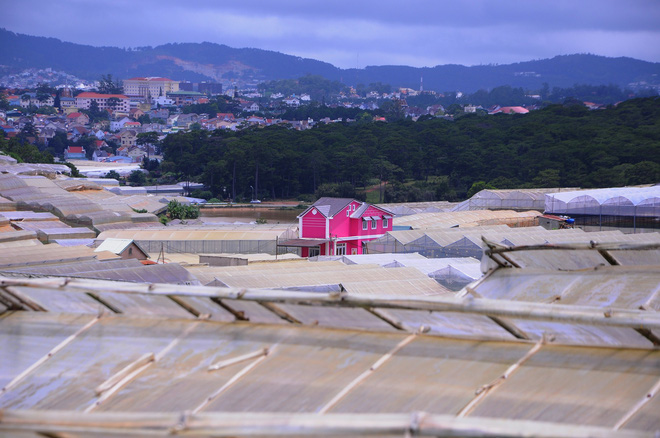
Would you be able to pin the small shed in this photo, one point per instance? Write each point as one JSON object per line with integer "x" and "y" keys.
{"x": 124, "y": 248}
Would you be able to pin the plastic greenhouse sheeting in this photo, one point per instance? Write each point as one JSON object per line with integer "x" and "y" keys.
{"x": 618, "y": 201}
{"x": 531, "y": 199}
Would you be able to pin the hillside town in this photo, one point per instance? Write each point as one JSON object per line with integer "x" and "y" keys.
{"x": 158, "y": 105}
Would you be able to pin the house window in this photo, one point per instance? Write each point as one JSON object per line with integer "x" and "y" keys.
{"x": 314, "y": 251}
{"x": 373, "y": 224}
{"x": 364, "y": 225}
{"x": 341, "y": 249}
{"x": 385, "y": 222}
{"x": 348, "y": 212}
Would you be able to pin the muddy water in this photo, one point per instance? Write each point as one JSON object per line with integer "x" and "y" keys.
{"x": 247, "y": 215}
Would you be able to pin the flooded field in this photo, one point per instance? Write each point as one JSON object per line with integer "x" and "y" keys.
{"x": 250, "y": 214}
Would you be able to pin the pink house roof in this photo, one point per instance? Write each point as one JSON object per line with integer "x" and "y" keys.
{"x": 76, "y": 150}
{"x": 329, "y": 207}
{"x": 74, "y": 115}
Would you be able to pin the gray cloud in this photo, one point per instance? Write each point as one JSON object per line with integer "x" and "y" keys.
{"x": 350, "y": 34}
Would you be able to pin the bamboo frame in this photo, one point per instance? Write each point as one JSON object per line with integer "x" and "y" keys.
{"x": 238, "y": 359}
{"x": 281, "y": 313}
{"x": 227, "y": 424}
{"x": 128, "y": 369}
{"x": 636, "y": 319}
{"x": 496, "y": 248}
{"x": 25, "y": 300}
{"x": 391, "y": 320}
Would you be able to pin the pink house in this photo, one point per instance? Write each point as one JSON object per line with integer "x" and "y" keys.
{"x": 339, "y": 226}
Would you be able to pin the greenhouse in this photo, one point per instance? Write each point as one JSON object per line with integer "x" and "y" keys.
{"x": 619, "y": 206}
{"x": 42, "y": 194}
{"x": 408, "y": 208}
{"x": 452, "y": 273}
{"x": 203, "y": 361}
{"x": 519, "y": 199}
{"x": 440, "y": 220}
{"x": 356, "y": 279}
{"x": 467, "y": 242}
{"x": 230, "y": 239}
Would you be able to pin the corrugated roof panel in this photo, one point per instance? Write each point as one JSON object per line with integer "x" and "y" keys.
{"x": 607, "y": 286}
{"x": 333, "y": 317}
{"x": 451, "y": 324}
{"x": 429, "y": 377}
{"x": 646, "y": 418}
{"x": 25, "y": 338}
{"x": 147, "y": 305}
{"x": 305, "y": 371}
{"x": 68, "y": 380}
{"x": 577, "y": 385}
{"x": 254, "y": 312}
{"x": 61, "y": 301}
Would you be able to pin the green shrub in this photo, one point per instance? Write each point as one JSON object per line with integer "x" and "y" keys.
{"x": 176, "y": 210}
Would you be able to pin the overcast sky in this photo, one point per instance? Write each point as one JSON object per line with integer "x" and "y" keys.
{"x": 358, "y": 33}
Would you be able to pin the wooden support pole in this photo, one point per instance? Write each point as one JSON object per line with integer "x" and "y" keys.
{"x": 187, "y": 307}
{"x": 24, "y": 299}
{"x": 277, "y": 310}
{"x": 569, "y": 314}
{"x": 238, "y": 359}
{"x": 231, "y": 424}
{"x": 128, "y": 369}
{"x": 391, "y": 320}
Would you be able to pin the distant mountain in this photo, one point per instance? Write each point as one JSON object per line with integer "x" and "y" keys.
{"x": 217, "y": 62}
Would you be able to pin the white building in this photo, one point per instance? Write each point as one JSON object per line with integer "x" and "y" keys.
{"x": 163, "y": 101}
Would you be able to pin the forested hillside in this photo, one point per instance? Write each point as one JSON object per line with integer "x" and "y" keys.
{"x": 218, "y": 62}
{"x": 434, "y": 159}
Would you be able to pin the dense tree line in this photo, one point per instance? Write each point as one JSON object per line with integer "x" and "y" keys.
{"x": 433, "y": 159}
{"x": 316, "y": 86}
{"x": 20, "y": 148}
